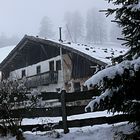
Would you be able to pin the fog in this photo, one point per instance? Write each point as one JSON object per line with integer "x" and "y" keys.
{"x": 23, "y": 16}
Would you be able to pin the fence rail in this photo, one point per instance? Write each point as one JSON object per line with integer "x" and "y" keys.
{"x": 62, "y": 110}
{"x": 78, "y": 123}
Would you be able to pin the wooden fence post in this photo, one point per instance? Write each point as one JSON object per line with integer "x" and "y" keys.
{"x": 64, "y": 112}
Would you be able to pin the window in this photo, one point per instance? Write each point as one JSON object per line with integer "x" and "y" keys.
{"x": 58, "y": 65}
{"x": 38, "y": 69}
{"x": 51, "y": 65}
{"x": 77, "y": 86}
{"x": 23, "y": 73}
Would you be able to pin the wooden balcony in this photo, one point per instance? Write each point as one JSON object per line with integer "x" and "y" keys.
{"x": 50, "y": 77}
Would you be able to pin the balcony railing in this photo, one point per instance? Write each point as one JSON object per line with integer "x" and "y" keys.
{"x": 50, "y": 77}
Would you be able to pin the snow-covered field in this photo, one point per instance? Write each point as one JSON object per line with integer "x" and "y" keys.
{"x": 4, "y": 52}
{"x": 96, "y": 132}
{"x": 42, "y": 120}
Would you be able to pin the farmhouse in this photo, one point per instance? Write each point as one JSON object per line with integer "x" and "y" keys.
{"x": 52, "y": 65}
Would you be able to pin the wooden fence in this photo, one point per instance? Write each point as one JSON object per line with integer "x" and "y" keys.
{"x": 63, "y": 110}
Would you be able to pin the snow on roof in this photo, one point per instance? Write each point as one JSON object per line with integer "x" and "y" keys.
{"x": 4, "y": 51}
{"x": 104, "y": 52}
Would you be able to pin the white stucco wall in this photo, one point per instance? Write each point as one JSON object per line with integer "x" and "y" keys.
{"x": 31, "y": 70}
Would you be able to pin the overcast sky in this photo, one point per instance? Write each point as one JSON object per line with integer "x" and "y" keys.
{"x": 23, "y": 16}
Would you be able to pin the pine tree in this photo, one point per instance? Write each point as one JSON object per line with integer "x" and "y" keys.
{"x": 115, "y": 32}
{"x": 46, "y": 28}
{"x": 95, "y": 27}
{"x": 128, "y": 17}
{"x": 119, "y": 84}
{"x": 74, "y": 26}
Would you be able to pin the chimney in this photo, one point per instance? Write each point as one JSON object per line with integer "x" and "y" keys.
{"x": 60, "y": 34}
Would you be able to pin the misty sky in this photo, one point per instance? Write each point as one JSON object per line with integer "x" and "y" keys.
{"x": 23, "y": 16}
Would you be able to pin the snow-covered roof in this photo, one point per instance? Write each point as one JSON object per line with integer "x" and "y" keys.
{"x": 4, "y": 51}
{"x": 102, "y": 52}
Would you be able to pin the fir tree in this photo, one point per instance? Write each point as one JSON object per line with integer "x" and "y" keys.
{"x": 46, "y": 28}
{"x": 128, "y": 17}
{"x": 74, "y": 26}
{"x": 119, "y": 84}
{"x": 95, "y": 27}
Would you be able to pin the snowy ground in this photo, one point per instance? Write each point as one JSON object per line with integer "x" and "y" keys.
{"x": 96, "y": 132}
{"x": 42, "y": 120}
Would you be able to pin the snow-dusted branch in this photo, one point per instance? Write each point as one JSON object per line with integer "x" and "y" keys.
{"x": 110, "y": 73}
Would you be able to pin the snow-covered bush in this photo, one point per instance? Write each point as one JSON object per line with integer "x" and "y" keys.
{"x": 119, "y": 84}
{"x": 13, "y": 95}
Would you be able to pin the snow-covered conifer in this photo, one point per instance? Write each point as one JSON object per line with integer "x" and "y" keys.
{"x": 119, "y": 84}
